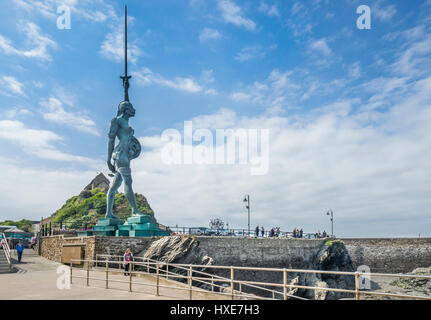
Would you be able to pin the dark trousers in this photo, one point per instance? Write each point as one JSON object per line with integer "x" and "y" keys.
{"x": 126, "y": 269}
{"x": 19, "y": 256}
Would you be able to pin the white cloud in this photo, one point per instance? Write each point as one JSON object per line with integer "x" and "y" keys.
{"x": 97, "y": 11}
{"x": 55, "y": 112}
{"x": 209, "y": 34}
{"x": 274, "y": 91}
{"x": 39, "y": 143}
{"x": 250, "y": 53}
{"x": 11, "y": 85}
{"x": 355, "y": 70}
{"x": 232, "y": 13}
{"x": 45, "y": 189}
{"x": 269, "y": 10}
{"x": 320, "y": 46}
{"x": 383, "y": 13}
{"x": 112, "y": 47}
{"x": 375, "y": 178}
{"x": 147, "y": 77}
{"x": 35, "y": 39}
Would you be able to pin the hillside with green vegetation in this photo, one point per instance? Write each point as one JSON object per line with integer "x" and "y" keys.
{"x": 86, "y": 207}
{"x": 24, "y": 224}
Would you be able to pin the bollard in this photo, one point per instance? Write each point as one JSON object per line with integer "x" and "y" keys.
{"x": 284, "y": 284}
{"x": 157, "y": 279}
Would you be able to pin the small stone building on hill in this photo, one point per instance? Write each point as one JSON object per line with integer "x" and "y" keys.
{"x": 100, "y": 181}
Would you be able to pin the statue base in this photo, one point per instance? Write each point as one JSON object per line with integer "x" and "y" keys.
{"x": 141, "y": 226}
{"x": 107, "y": 226}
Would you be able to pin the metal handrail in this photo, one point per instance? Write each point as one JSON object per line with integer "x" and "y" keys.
{"x": 6, "y": 249}
{"x": 357, "y": 292}
{"x": 217, "y": 277}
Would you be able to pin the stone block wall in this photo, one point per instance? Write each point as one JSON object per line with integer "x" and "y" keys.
{"x": 52, "y": 246}
{"x": 386, "y": 255}
{"x": 262, "y": 252}
{"x": 398, "y": 255}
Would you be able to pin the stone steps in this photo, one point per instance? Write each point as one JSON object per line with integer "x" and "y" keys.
{"x": 4, "y": 265}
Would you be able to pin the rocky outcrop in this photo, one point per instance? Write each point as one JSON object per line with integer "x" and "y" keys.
{"x": 416, "y": 284}
{"x": 178, "y": 249}
{"x": 333, "y": 256}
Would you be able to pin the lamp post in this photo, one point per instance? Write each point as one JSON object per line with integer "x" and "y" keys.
{"x": 247, "y": 200}
{"x": 331, "y": 213}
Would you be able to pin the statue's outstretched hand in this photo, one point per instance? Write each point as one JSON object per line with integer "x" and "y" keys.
{"x": 111, "y": 167}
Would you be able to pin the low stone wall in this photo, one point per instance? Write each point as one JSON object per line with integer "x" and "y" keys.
{"x": 52, "y": 246}
{"x": 262, "y": 252}
{"x": 386, "y": 255}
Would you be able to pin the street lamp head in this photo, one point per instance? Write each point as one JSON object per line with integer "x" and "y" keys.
{"x": 245, "y": 199}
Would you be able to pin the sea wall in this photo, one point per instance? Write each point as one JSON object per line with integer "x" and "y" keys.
{"x": 397, "y": 255}
{"x": 390, "y": 255}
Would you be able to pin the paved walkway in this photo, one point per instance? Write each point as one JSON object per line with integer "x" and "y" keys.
{"x": 37, "y": 279}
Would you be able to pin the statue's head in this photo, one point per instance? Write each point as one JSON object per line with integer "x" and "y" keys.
{"x": 126, "y": 108}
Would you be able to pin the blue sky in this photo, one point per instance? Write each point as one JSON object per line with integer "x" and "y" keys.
{"x": 348, "y": 110}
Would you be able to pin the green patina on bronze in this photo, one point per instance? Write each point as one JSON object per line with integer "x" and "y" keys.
{"x": 119, "y": 157}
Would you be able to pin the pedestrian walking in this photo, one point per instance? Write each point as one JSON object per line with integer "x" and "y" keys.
{"x": 262, "y": 230}
{"x": 19, "y": 250}
{"x": 256, "y": 231}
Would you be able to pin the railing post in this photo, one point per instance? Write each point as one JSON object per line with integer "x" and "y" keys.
{"x": 190, "y": 282}
{"x": 106, "y": 277}
{"x": 231, "y": 282}
{"x": 71, "y": 272}
{"x": 212, "y": 283}
{"x": 167, "y": 271}
{"x": 357, "y": 285}
{"x": 157, "y": 279}
{"x": 284, "y": 284}
{"x": 148, "y": 265}
{"x": 130, "y": 280}
{"x": 119, "y": 263}
{"x": 88, "y": 273}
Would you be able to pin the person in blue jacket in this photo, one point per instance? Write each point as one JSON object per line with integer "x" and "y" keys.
{"x": 19, "y": 250}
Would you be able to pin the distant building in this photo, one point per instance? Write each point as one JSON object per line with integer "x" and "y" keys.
{"x": 100, "y": 181}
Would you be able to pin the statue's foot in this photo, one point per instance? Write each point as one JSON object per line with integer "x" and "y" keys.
{"x": 113, "y": 217}
{"x": 140, "y": 214}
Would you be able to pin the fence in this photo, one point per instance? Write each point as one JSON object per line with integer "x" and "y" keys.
{"x": 234, "y": 286}
{"x": 200, "y": 231}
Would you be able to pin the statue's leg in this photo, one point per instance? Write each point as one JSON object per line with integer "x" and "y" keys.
{"x": 128, "y": 190}
{"x": 111, "y": 195}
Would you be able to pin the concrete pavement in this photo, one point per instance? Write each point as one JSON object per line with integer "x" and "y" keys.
{"x": 37, "y": 279}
